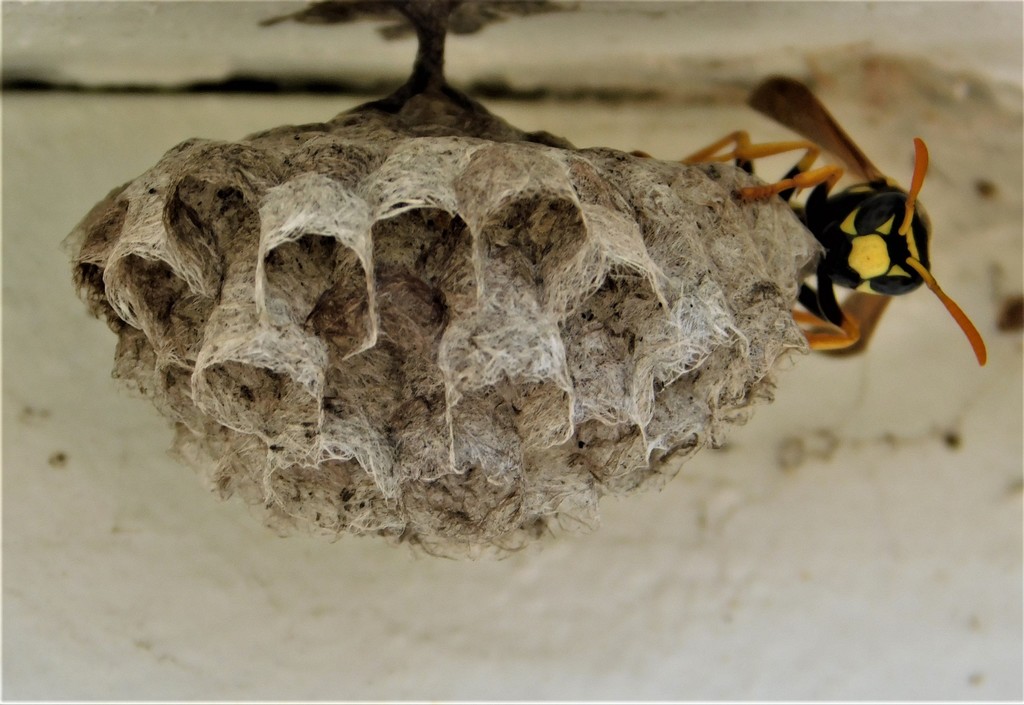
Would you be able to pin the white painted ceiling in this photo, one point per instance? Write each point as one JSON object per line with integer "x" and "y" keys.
{"x": 638, "y": 44}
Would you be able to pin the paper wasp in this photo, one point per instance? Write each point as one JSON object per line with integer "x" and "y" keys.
{"x": 875, "y": 234}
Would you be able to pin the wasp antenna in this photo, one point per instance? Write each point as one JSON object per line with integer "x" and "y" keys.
{"x": 920, "y": 168}
{"x": 955, "y": 311}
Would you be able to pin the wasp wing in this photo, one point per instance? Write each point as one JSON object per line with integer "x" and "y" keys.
{"x": 791, "y": 103}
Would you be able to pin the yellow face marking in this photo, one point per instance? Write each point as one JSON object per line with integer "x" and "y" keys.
{"x": 847, "y": 225}
{"x": 898, "y": 271}
{"x": 862, "y": 188}
{"x": 869, "y": 256}
{"x": 886, "y": 227}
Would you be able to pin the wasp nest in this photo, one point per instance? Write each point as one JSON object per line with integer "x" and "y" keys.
{"x": 419, "y": 322}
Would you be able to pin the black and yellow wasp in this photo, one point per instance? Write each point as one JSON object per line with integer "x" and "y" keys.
{"x": 875, "y": 234}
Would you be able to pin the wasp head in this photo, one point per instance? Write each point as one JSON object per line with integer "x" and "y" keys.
{"x": 882, "y": 244}
{"x": 871, "y": 250}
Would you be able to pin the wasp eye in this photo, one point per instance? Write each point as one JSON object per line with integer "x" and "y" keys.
{"x": 880, "y": 214}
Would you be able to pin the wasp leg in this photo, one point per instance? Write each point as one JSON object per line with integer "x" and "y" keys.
{"x": 824, "y": 335}
{"x": 827, "y": 326}
{"x": 861, "y": 313}
{"x": 822, "y": 303}
{"x": 829, "y": 175}
{"x": 866, "y": 309}
{"x": 739, "y": 139}
{"x": 743, "y": 150}
{"x": 744, "y": 153}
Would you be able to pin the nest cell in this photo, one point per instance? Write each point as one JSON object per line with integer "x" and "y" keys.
{"x": 430, "y": 326}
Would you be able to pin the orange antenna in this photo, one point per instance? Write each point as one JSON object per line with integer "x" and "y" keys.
{"x": 920, "y": 168}
{"x": 955, "y": 311}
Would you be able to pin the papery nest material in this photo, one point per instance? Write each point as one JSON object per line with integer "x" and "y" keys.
{"x": 420, "y": 322}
